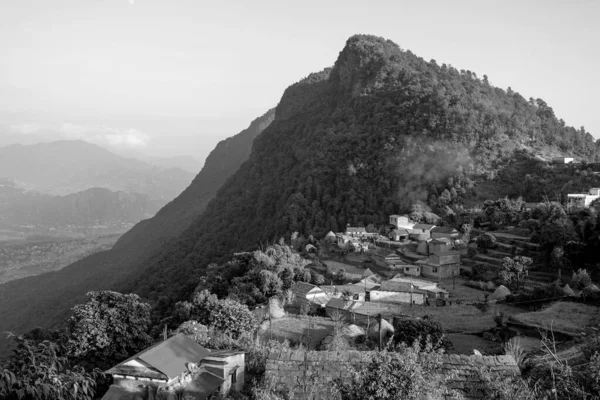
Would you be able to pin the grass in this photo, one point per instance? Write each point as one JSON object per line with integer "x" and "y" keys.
{"x": 296, "y": 330}
{"x": 564, "y": 317}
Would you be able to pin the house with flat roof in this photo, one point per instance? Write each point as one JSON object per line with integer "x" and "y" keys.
{"x": 441, "y": 265}
{"x": 576, "y": 201}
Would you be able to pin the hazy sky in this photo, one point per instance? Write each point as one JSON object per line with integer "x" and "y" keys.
{"x": 175, "y": 76}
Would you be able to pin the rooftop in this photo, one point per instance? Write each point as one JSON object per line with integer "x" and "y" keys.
{"x": 444, "y": 229}
{"x": 423, "y": 226}
{"x": 303, "y": 288}
{"x": 401, "y": 287}
{"x": 168, "y": 357}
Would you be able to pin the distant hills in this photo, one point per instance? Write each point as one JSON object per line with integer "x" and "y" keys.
{"x": 71, "y": 166}
{"x": 46, "y": 299}
{"x": 89, "y": 207}
{"x": 378, "y": 133}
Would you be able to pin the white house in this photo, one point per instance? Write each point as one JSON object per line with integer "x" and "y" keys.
{"x": 563, "y": 160}
{"x": 401, "y": 222}
{"x": 582, "y": 200}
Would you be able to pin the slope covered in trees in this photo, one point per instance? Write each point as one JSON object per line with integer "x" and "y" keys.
{"x": 379, "y": 132}
{"x": 45, "y": 300}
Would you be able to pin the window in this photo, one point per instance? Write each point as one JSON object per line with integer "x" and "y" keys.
{"x": 234, "y": 377}
{"x": 435, "y": 270}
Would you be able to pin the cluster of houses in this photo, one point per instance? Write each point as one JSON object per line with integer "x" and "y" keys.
{"x": 370, "y": 296}
{"x": 582, "y": 200}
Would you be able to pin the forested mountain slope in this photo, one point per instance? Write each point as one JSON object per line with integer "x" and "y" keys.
{"x": 380, "y": 131}
{"x": 46, "y": 299}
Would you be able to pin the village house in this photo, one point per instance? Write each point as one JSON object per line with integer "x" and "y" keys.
{"x": 441, "y": 265}
{"x": 177, "y": 363}
{"x": 582, "y": 200}
{"x": 528, "y": 206}
{"x": 398, "y": 235}
{"x": 350, "y": 292}
{"x": 308, "y": 375}
{"x": 385, "y": 258}
{"x": 563, "y": 160}
{"x": 421, "y": 231}
{"x": 402, "y": 222}
{"x": 305, "y": 293}
{"x": 433, "y": 289}
{"x": 409, "y": 269}
{"x": 358, "y": 232}
{"x": 397, "y": 292}
{"x": 440, "y": 245}
{"x": 446, "y": 232}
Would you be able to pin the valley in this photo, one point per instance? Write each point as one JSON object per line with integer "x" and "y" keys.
{"x": 23, "y": 255}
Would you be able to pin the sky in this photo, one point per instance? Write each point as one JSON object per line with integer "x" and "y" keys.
{"x": 173, "y": 77}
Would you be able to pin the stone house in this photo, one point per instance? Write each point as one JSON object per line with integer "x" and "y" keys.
{"x": 441, "y": 265}
{"x": 439, "y": 245}
{"x": 178, "y": 363}
{"x": 433, "y": 289}
{"x": 308, "y": 375}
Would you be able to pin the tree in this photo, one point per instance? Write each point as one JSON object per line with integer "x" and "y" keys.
{"x": 581, "y": 279}
{"x": 316, "y": 278}
{"x": 269, "y": 283}
{"x": 486, "y": 241}
{"x": 195, "y": 330}
{"x": 38, "y": 371}
{"x": 108, "y": 328}
{"x": 515, "y": 270}
{"x": 227, "y": 316}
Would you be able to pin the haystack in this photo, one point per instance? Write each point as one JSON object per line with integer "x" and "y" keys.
{"x": 330, "y": 237}
{"x": 275, "y": 308}
{"x": 386, "y": 328}
{"x": 500, "y": 293}
{"x": 352, "y": 331}
{"x": 568, "y": 291}
{"x": 592, "y": 288}
{"x": 335, "y": 341}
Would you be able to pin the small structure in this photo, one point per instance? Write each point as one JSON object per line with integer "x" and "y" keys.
{"x": 582, "y": 200}
{"x": 310, "y": 248}
{"x": 444, "y": 232}
{"x": 348, "y": 243}
{"x": 385, "y": 258}
{"x": 422, "y": 231}
{"x": 330, "y": 237}
{"x": 305, "y": 293}
{"x": 568, "y": 291}
{"x": 398, "y": 292}
{"x": 351, "y": 292}
{"x": 529, "y": 206}
{"x": 441, "y": 265}
{"x": 398, "y": 235}
{"x": 563, "y": 160}
{"x": 409, "y": 269}
{"x": 433, "y": 289}
{"x": 178, "y": 363}
{"x": 401, "y": 222}
{"x": 439, "y": 245}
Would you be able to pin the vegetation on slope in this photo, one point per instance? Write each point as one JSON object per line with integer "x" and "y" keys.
{"x": 379, "y": 132}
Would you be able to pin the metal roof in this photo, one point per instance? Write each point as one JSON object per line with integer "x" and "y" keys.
{"x": 171, "y": 356}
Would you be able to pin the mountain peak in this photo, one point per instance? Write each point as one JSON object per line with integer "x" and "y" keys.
{"x": 365, "y": 62}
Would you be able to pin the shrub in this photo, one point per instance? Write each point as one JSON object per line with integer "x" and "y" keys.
{"x": 471, "y": 251}
{"x": 422, "y": 331}
{"x": 486, "y": 241}
{"x": 580, "y": 279}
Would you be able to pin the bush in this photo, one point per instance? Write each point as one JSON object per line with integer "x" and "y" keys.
{"x": 580, "y": 279}
{"x": 422, "y": 331}
{"x": 486, "y": 241}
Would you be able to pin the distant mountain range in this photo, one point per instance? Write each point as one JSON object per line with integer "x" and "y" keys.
{"x": 67, "y": 167}
{"x": 25, "y": 302}
{"x": 89, "y": 207}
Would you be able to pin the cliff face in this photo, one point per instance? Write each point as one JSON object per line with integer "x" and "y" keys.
{"x": 46, "y": 299}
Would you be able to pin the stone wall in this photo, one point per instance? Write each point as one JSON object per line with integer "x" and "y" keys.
{"x": 309, "y": 375}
